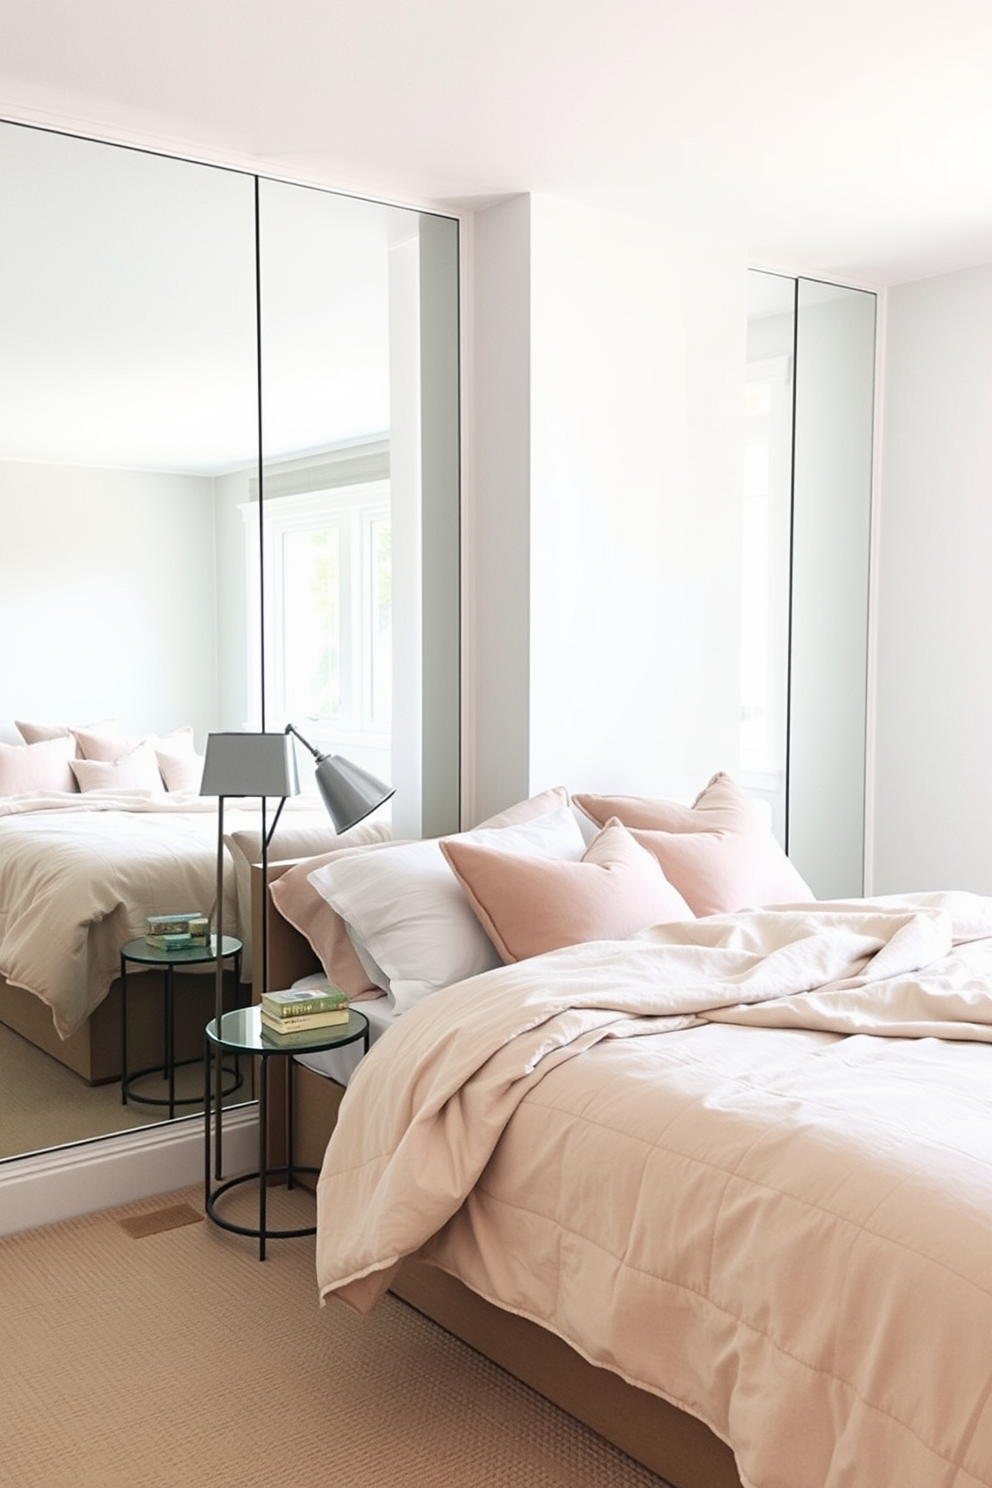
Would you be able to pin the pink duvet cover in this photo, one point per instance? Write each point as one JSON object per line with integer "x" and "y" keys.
{"x": 744, "y": 1162}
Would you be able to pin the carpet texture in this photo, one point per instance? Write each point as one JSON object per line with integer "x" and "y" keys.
{"x": 43, "y": 1104}
{"x": 144, "y": 1348}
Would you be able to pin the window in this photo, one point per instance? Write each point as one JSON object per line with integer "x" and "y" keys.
{"x": 328, "y": 620}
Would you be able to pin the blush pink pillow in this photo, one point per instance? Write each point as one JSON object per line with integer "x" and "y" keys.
{"x": 555, "y": 799}
{"x": 530, "y": 905}
{"x": 717, "y": 852}
{"x": 44, "y": 766}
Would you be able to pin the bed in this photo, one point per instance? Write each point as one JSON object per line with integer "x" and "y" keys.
{"x": 89, "y": 847}
{"x": 722, "y": 1187}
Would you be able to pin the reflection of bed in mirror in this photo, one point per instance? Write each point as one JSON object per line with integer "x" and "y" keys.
{"x": 80, "y": 872}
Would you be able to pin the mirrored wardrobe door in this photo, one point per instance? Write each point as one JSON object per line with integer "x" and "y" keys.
{"x": 360, "y": 492}
{"x": 835, "y": 374}
{"x": 128, "y": 376}
{"x": 809, "y": 398}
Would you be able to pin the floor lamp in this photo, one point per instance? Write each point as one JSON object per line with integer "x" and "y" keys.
{"x": 244, "y": 765}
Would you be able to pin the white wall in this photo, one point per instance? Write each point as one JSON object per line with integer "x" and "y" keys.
{"x": 932, "y": 825}
{"x": 603, "y": 599}
{"x": 106, "y": 598}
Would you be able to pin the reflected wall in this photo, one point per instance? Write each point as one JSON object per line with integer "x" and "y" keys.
{"x": 127, "y": 385}
{"x": 809, "y": 398}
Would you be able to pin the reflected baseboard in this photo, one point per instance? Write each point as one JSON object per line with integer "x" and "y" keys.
{"x": 47, "y": 1187}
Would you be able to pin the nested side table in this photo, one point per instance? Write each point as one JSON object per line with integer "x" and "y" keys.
{"x": 139, "y": 952}
{"x": 240, "y": 1033}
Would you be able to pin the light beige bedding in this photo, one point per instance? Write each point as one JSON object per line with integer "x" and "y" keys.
{"x": 745, "y": 1162}
{"x": 80, "y": 875}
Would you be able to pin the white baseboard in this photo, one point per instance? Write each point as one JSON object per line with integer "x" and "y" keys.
{"x": 80, "y": 1179}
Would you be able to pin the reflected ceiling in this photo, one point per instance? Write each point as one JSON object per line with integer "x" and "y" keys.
{"x": 104, "y": 342}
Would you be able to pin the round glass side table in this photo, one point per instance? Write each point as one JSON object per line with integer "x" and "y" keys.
{"x": 240, "y": 1033}
{"x": 139, "y": 952}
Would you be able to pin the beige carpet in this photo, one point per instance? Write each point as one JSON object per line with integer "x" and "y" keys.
{"x": 43, "y": 1104}
{"x": 146, "y": 1347}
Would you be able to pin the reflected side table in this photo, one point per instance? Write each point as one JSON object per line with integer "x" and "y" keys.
{"x": 240, "y": 1033}
{"x": 139, "y": 952}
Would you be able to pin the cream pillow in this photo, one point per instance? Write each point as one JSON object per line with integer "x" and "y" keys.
{"x": 136, "y": 770}
{"x": 717, "y": 852}
{"x": 43, "y": 766}
{"x": 530, "y": 905}
{"x": 405, "y": 905}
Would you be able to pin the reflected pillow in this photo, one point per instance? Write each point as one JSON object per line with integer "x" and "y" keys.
{"x": 135, "y": 770}
{"x": 36, "y": 733}
{"x": 44, "y": 766}
{"x": 530, "y": 905}
{"x": 407, "y": 907}
{"x": 718, "y": 852}
{"x": 181, "y": 770}
{"x": 101, "y": 743}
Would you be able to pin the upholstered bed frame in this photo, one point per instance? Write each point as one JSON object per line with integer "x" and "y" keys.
{"x": 662, "y": 1437}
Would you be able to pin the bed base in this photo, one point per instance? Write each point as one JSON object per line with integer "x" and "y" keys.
{"x": 94, "y": 1051}
{"x": 663, "y": 1438}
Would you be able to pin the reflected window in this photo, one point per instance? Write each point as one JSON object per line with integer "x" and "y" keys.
{"x": 764, "y": 574}
{"x": 329, "y": 613}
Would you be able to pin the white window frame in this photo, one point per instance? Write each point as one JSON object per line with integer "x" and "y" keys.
{"x": 353, "y": 509}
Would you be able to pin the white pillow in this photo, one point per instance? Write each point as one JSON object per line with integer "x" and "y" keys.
{"x": 406, "y": 906}
{"x": 136, "y": 770}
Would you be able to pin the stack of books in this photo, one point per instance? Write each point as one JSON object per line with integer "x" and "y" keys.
{"x": 299, "y": 1014}
{"x": 174, "y": 932}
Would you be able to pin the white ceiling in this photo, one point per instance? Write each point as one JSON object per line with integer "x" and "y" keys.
{"x": 850, "y": 139}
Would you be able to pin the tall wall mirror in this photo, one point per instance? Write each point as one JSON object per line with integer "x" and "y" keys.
{"x": 807, "y": 524}
{"x": 229, "y": 498}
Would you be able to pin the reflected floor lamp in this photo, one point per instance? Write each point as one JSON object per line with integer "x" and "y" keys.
{"x": 349, "y": 792}
{"x": 241, "y": 764}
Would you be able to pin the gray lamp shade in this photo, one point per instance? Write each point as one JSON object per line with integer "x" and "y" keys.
{"x": 249, "y": 765}
{"x": 348, "y": 791}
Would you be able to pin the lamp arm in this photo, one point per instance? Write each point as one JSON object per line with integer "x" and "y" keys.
{"x": 306, "y": 743}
